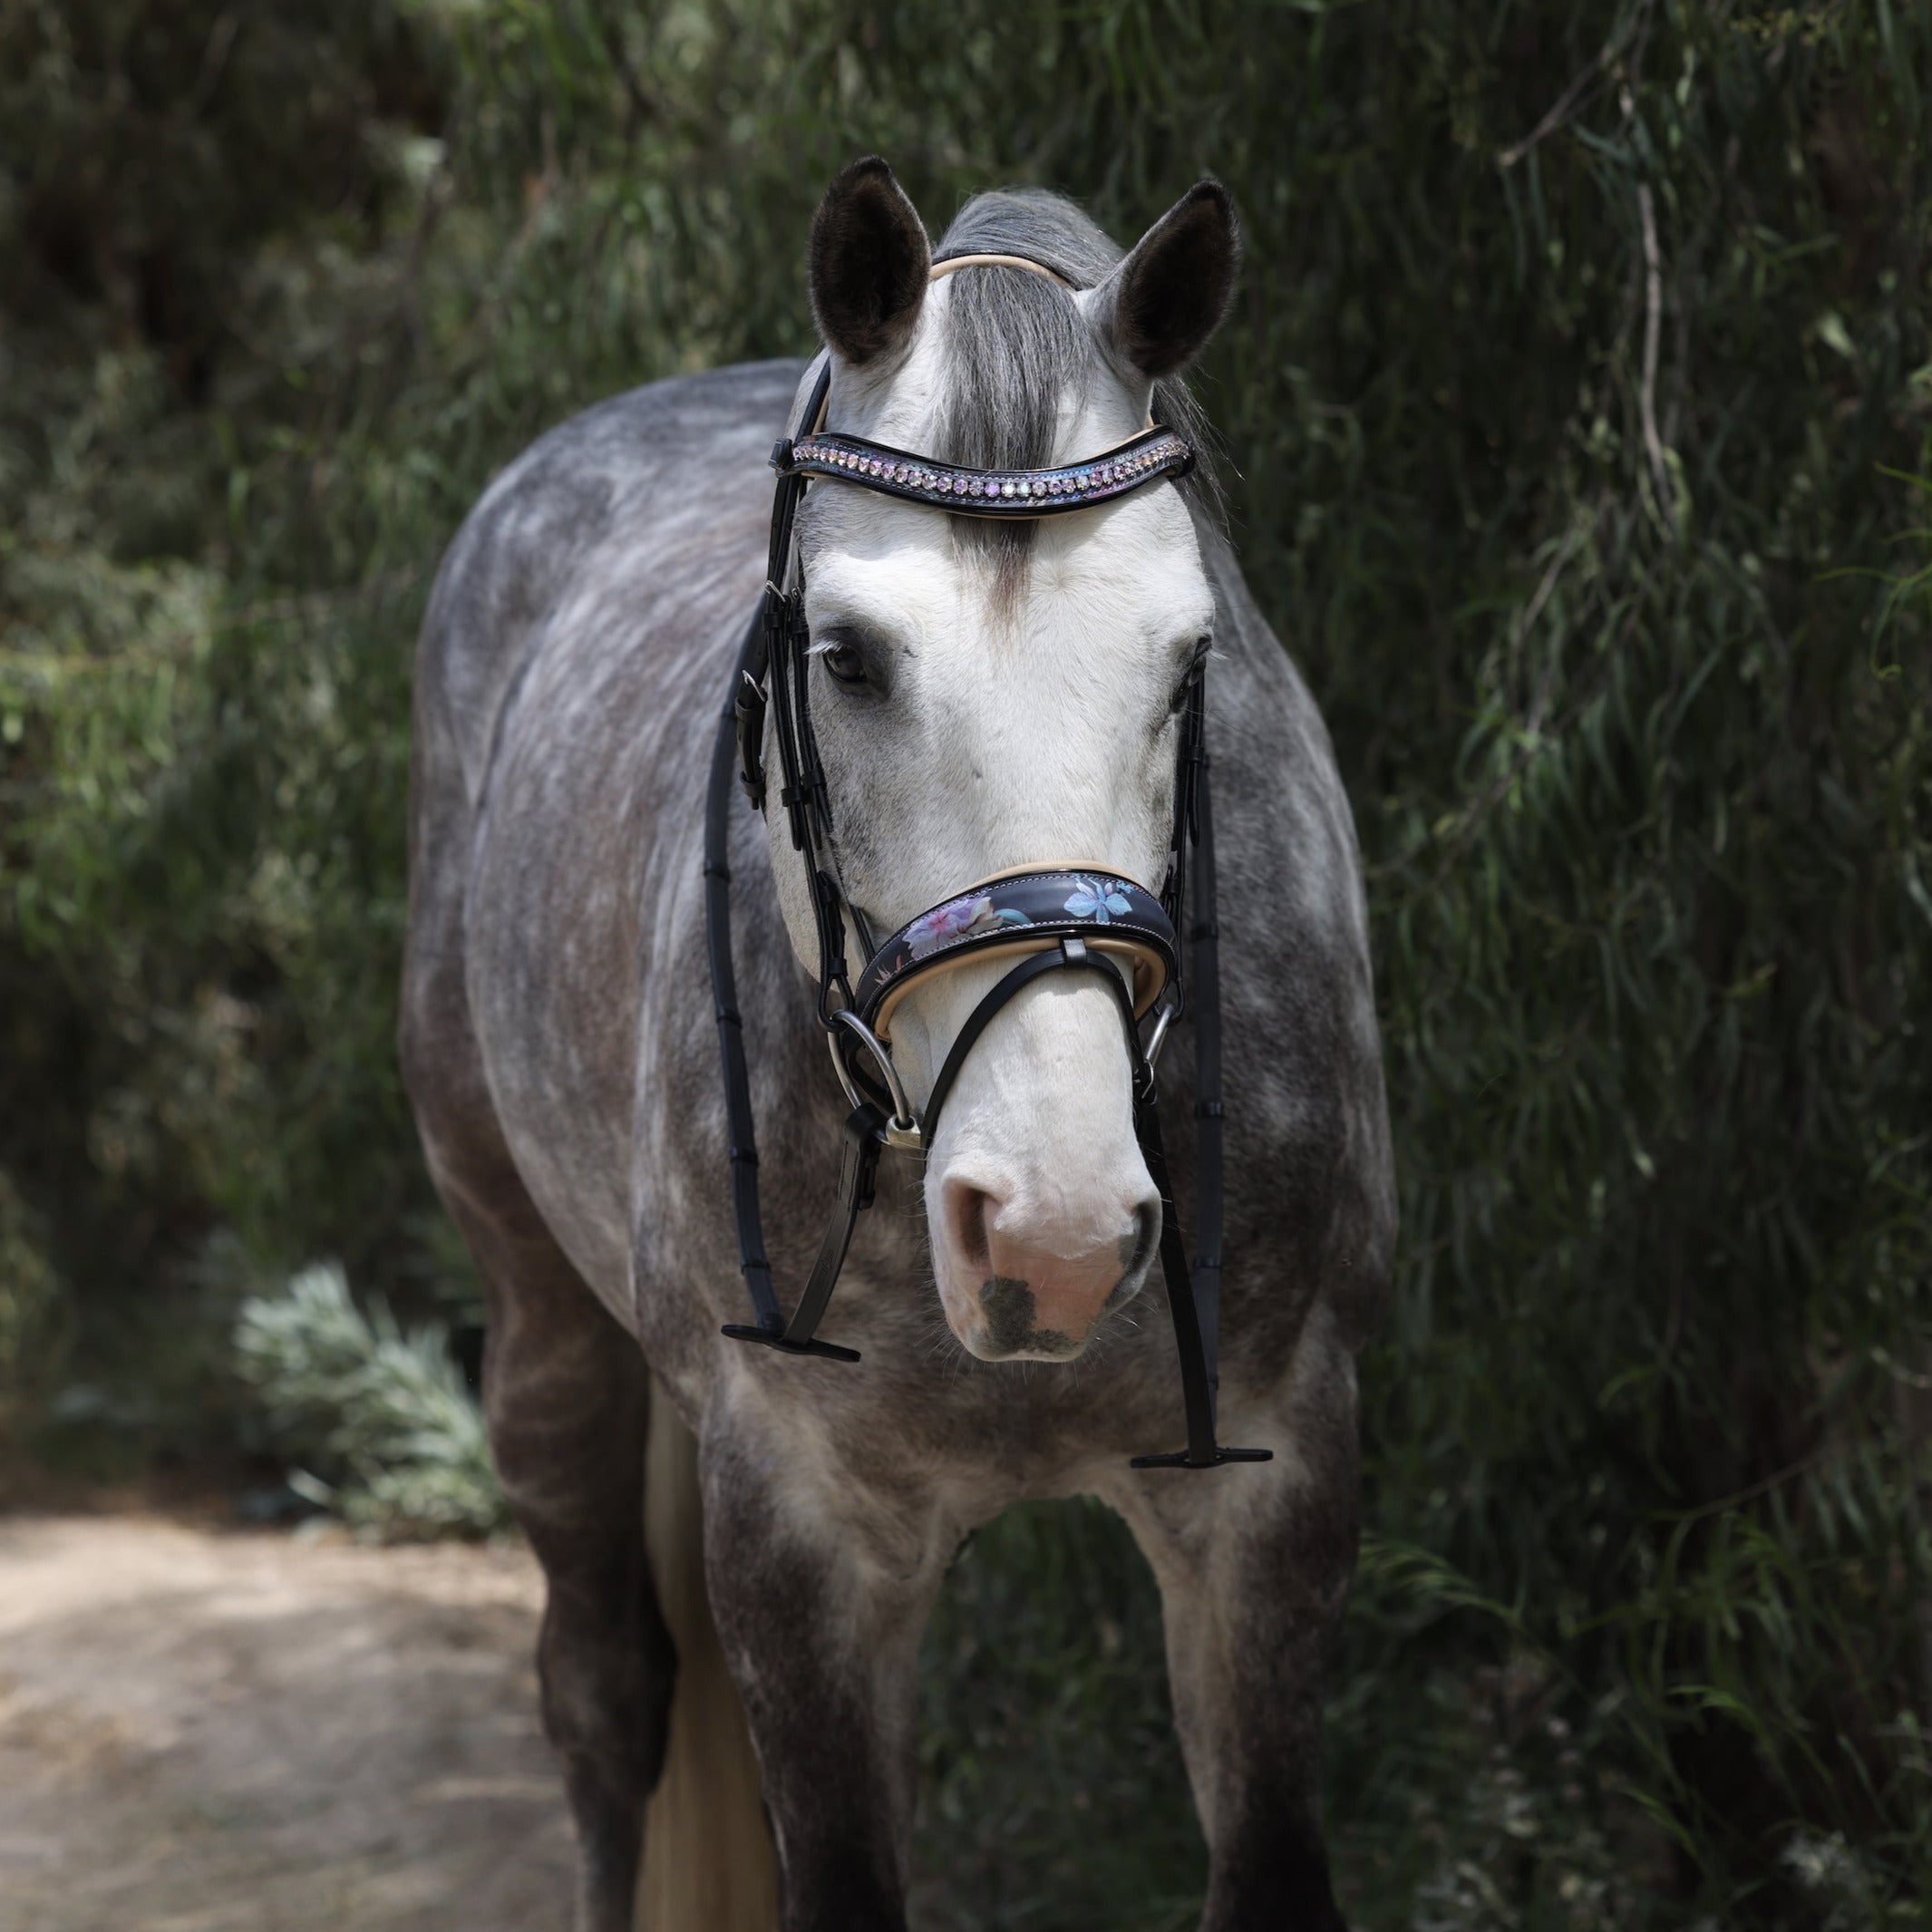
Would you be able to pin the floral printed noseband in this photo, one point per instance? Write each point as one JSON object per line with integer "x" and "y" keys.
{"x": 1022, "y": 913}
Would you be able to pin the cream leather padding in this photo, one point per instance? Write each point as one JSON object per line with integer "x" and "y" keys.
{"x": 1149, "y": 969}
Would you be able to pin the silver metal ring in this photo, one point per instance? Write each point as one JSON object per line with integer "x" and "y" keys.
{"x": 903, "y": 1129}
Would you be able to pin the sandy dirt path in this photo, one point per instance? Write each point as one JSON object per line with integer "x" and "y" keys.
{"x": 204, "y": 1732}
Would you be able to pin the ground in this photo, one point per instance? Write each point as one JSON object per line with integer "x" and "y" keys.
{"x": 207, "y": 1730}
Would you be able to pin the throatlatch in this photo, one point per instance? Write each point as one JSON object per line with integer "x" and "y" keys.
{"x": 1058, "y": 918}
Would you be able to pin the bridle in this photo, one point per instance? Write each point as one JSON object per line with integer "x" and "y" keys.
{"x": 1053, "y": 917}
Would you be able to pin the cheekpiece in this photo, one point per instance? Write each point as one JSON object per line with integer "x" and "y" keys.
{"x": 1024, "y": 912}
{"x": 1154, "y": 454}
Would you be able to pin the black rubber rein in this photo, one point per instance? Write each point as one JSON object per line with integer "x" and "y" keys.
{"x": 855, "y": 1182}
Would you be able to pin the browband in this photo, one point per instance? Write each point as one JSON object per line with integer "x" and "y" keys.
{"x": 1144, "y": 459}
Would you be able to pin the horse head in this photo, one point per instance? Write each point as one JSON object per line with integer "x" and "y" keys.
{"x": 993, "y": 696}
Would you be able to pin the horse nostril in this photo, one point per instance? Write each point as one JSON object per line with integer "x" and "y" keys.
{"x": 1137, "y": 1246}
{"x": 967, "y": 1208}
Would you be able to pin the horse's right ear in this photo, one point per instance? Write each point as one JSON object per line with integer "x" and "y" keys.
{"x": 869, "y": 263}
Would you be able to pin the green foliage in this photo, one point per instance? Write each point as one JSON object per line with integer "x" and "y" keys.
{"x": 387, "y": 1436}
{"x": 1573, "y": 401}
{"x": 1054, "y": 1795}
{"x": 29, "y": 1298}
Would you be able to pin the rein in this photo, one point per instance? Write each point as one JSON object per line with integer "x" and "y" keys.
{"x": 1057, "y": 918}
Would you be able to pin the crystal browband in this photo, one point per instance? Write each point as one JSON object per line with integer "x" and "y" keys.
{"x": 1145, "y": 459}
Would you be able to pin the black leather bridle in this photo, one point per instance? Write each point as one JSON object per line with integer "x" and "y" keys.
{"x": 1105, "y": 925}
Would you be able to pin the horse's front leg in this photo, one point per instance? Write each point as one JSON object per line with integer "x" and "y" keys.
{"x": 1254, "y": 1564}
{"x": 820, "y": 1591}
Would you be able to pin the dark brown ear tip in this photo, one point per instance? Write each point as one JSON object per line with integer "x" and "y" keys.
{"x": 868, "y": 182}
{"x": 867, "y": 167}
{"x": 1210, "y": 188}
{"x": 1208, "y": 201}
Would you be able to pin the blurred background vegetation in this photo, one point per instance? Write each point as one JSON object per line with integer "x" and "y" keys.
{"x": 1578, "y": 405}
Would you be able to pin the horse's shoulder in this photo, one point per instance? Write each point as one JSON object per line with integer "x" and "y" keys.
{"x": 632, "y": 466}
{"x": 531, "y": 529}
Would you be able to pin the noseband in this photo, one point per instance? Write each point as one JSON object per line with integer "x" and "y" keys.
{"x": 1049, "y": 918}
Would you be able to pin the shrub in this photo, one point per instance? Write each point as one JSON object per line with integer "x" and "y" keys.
{"x": 387, "y": 1436}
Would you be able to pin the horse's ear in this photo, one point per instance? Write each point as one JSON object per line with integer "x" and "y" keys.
{"x": 1158, "y": 308}
{"x": 869, "y": 262}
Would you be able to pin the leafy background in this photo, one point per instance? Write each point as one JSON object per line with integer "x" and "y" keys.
{"x": 1578, "y": 404}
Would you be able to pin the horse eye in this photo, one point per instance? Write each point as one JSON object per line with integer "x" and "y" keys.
{"x": 1179, "y": 700}
{"x": 844, "y": 662}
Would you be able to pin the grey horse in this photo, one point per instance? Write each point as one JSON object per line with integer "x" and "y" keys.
{"x": 739, "y": 1542}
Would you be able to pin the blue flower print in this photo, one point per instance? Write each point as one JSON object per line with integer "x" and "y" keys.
{"x": 1100, "y": 900}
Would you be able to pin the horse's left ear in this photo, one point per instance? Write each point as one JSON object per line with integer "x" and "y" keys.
{"x": 1158, "y": 307}
{"x": 869, "y": 262}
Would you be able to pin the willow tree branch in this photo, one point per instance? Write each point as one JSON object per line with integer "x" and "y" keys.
{"x": 1653, "y": 319}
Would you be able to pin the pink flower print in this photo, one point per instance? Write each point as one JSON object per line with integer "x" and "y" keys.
{"x": 957, "y": 919}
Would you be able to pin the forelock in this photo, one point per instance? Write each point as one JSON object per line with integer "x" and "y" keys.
{"x": 1017, "y": 344}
